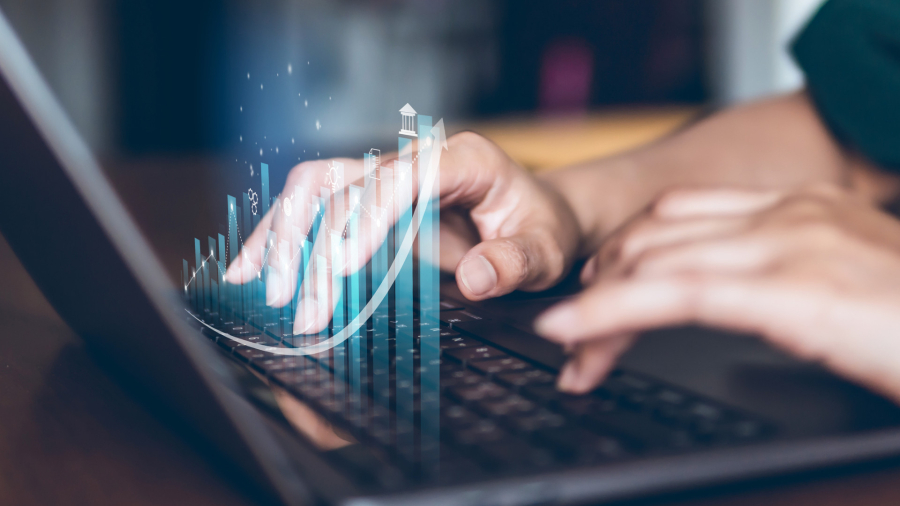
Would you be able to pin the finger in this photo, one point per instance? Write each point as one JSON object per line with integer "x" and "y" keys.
{"x": 623, "y": 248}
{"x": 337, "y": 250}
{"x": 741, "y": 303}
{"x": 743, "y": 255}
{"x": 591, "y": 363}
{"x": 295, "y": 211}
{"x": 499, "y": 266}
{"x": 691, "y": 203}
{"x": 248, "y": 264}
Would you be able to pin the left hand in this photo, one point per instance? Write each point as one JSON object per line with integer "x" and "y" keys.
{"x": 815, "y": 272}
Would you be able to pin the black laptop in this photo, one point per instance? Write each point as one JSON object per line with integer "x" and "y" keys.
{"x": 427, "y": 398}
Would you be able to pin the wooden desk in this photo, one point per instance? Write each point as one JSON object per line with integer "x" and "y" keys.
{"x": 70, "y": 435}
{"x": 555, "y": 141}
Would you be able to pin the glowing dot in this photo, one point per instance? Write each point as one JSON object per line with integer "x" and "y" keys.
{"x": 276, "y": 149}
{"x": 329, "y": 98}
{"x": 307, "y": 62}
{"x": 242, "y": 108}
{"x": 317, "y": 153}
{"x": 260, "y": 151}
{"x": 241, "y": 138}
{"x": 290, "y": 69}
{"x": 248, "y": 75}
{"x": 318, "y": 125}
{"x": 306, "y": 103}
{"x": 260, "y": 86}
{"x": 292, "y": 140}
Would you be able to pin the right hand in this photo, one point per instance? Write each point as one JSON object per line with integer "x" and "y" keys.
{"x": 501, "y": 228}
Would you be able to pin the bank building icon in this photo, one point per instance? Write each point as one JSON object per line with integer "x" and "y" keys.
{"x": 408, "y": 115}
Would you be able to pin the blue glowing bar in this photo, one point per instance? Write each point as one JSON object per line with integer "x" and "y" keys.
{"x": 403, "y": 300}
{"x": 248, "y": 222}
{"x": 212, "y": 273}
{"x": 429, "y": 308}
{"x": 352, "y": 243}
{"x": 264, "y": 175}
{"x": 380, "y": 356}
{"x": 337, "y": 281}
{"x": 198, "y": 277}
{"x": 223, "y": 287}
{"x": 186, "y": 276}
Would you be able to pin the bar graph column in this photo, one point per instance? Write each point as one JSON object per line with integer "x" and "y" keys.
{"x": 264, "y": 175}
{"x": 355, "y": 357}
{"x": 429, "y": 299}
{"x": 403, "y": 290}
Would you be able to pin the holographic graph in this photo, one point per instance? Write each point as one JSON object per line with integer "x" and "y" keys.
{"x": 339, "y": 249}
{"x": 401, "y": 258}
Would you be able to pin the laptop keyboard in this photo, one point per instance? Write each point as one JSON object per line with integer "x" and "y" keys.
{"x": 499, "y": 413}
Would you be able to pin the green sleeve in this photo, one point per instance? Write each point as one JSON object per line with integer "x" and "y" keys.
{"x": 850, "y": 53}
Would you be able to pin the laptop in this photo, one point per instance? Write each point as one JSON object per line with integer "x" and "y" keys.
{"x": 471, "y": 417}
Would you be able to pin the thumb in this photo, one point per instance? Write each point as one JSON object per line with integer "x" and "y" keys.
{"x": 527, "y": 261}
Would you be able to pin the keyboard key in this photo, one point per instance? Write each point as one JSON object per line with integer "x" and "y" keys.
{"x": 248, "y": 354}
{"x": 482, "y": 432}
{"x": 532, "y": 377}
{"x": 535, "y": 420}
{"x": 456, "y": 418}
{"x": 451, "y": 305}
{"x": 470, "y": 353}
{"x": 455, "y": 317}
{"x": 460, "y": 378}
{"x": 271, "y": 365}
{"x": 459, "y": 342}
{"x": 478, "y": 392}
{"x": 506, "y": 406}
{"x": 500, "y": 365}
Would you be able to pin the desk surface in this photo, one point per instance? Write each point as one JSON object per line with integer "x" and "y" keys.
{"x": 70, "y": 435}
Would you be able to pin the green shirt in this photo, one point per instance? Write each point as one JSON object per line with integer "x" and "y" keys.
{"x": 850, "y": 53}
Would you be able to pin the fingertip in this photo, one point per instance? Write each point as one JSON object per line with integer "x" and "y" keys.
{"x": 568, "y": 377}
{"x": 273, "y": 288}
{"x": 589, "y": 270}
{"x": 553, "y": 322}
{"x": 233, "y": 272}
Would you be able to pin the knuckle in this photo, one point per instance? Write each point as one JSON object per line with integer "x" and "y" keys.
{"x": 669, "y": 198}
{"x": 823, "y": 234}
{"x": 466, "y": 138}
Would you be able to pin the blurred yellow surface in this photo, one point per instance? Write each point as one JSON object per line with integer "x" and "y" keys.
{"x": 545, "y": 143}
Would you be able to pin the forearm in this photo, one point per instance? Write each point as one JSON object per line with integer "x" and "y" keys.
{"x": 779, "y": 142}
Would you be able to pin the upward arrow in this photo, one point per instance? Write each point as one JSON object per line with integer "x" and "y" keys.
{"x": 438, "y": 132}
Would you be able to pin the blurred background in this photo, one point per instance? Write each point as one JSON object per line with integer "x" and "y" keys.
{"x": 183, "y": 100}
{"x": 145, "y": 77}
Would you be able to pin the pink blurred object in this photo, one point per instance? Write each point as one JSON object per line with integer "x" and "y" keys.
{"x": 567, "y": 70}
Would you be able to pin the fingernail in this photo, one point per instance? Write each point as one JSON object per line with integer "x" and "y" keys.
{"x": 233, "y": 273}
{"x": 478, "y": 275}
{"x": 568, "y": 378}
{"x": 556, "y": 319}
{"x": 273, "y": 287}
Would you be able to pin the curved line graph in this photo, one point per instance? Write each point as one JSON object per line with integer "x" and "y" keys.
{"x": 425, "y": 193}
